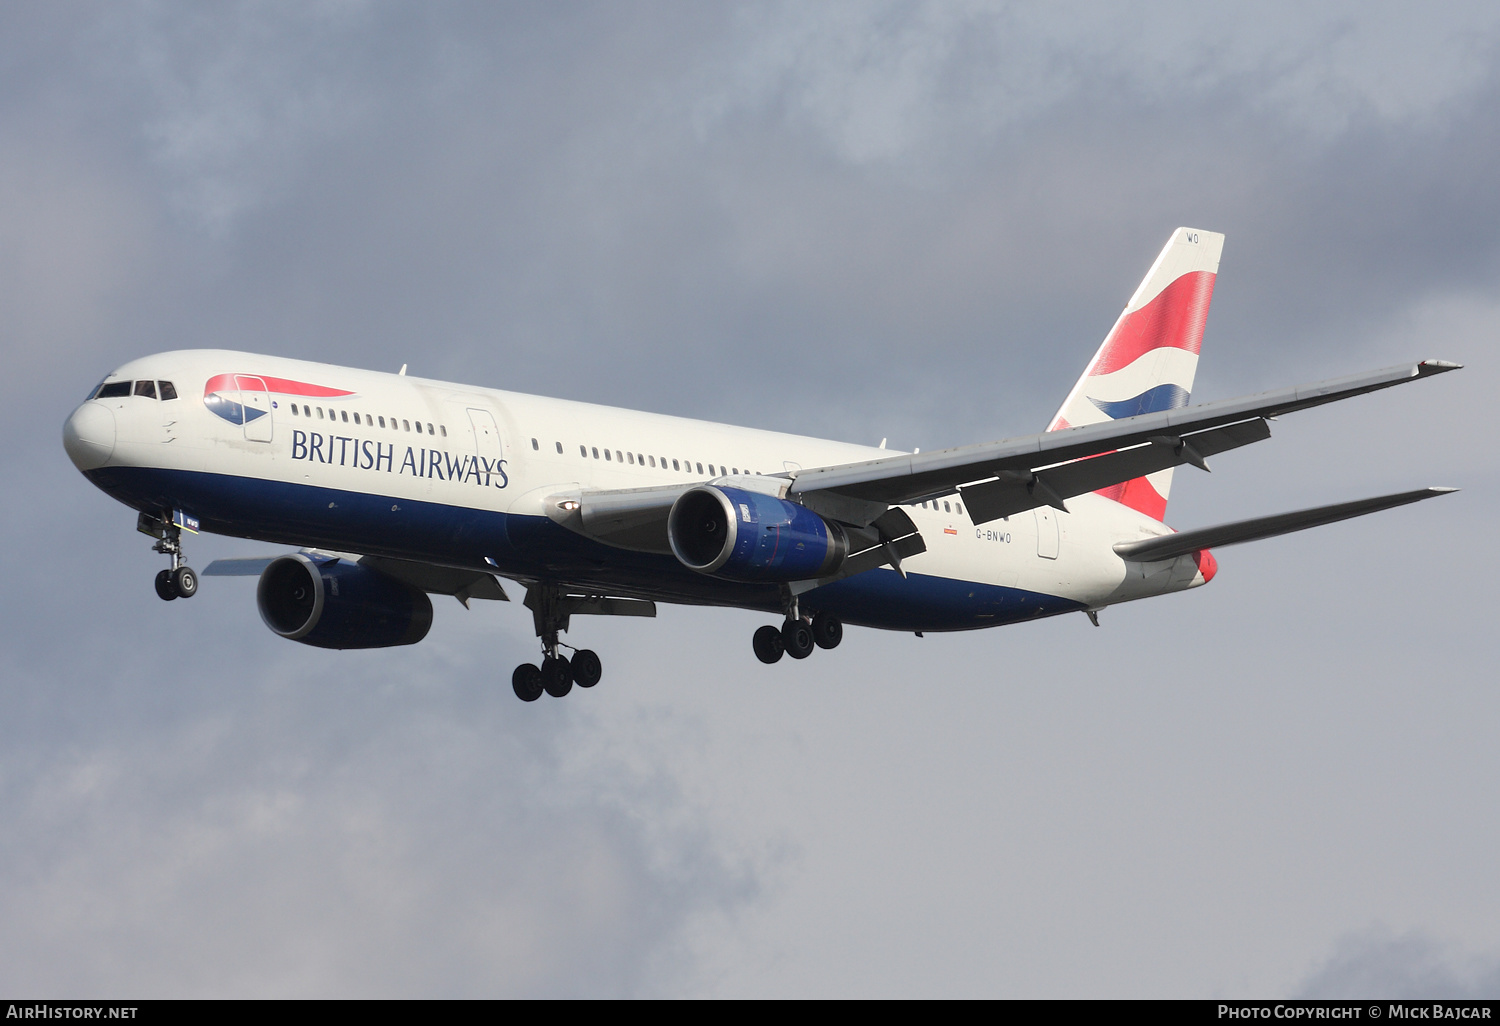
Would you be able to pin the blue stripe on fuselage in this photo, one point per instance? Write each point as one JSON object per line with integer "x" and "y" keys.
{"x": 533, "y": 546}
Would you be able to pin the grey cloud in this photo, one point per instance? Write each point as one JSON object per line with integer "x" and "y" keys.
{"x": 914, "y": 221}
{"x": 345, "y": 827}
{"x": 1377, "y": 963}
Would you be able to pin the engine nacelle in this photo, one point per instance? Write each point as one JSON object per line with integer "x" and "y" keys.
{"x": 747, "y": 536}
{"x": 340, "y": 605}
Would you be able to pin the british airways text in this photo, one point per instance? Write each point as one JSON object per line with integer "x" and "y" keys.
{"x": 366, "y": 454}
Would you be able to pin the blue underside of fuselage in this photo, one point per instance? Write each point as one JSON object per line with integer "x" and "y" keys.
{"x": 534, "y": 547}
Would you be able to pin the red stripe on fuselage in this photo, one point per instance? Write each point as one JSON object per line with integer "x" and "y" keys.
{"x": 1174, "y": 319}
{"x": 281, "y": 386}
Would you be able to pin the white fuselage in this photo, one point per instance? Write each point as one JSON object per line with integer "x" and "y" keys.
{"x": 302, "y": 453}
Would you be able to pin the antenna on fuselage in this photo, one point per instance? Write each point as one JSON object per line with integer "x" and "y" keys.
{"x": 402, "y": 371}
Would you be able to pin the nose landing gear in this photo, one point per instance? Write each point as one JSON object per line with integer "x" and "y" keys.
{"x": 181, "y": 581}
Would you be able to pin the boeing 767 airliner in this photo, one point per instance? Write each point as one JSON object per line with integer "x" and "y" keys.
{"x": 395, "y": 488}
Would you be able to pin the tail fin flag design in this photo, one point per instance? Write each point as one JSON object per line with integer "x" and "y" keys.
{"x": 1147, "y": 361}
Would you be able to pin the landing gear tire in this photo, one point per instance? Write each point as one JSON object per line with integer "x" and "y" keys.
{"x": 797, "y": 636}
{"x": 827, "y": 630}
{"x": 526, "y": 681}
{"x": 768, "y": 644}
{"x": 166, "y": 589}
{"x": 557, "y": 676}
{"x": 185, "y": 580}
{"x": 586, "y": 668}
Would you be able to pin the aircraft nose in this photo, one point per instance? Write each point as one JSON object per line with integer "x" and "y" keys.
{"x": 89, "y": 436}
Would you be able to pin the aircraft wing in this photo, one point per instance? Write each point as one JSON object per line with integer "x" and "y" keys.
{"x": 1170, "y": 546}
{"x": 1013, "y": 475}
{"x": 429, "y": 577}
{"x": 995, "y": 479}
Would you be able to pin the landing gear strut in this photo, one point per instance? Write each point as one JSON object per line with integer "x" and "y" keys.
{"x": 181, "y": 581}
{"x": 797, "y": 637}
{"x": 557, "y": 674}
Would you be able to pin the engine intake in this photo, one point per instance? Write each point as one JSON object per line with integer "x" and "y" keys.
{"x": 340, "y": 605}
{"x": 747, "y": 536}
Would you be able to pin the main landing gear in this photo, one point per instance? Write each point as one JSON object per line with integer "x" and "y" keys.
{"x": 557, "y": 674}
{"x": 797, "y": 637}
{"x": 181, "y": 581}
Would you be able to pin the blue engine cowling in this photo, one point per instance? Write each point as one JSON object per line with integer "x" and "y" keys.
{"x": 339, "y": 604}
{"x": 746, "y": 536}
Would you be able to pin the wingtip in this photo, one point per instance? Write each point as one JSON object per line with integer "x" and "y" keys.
{"x": 1437, "y": 367}
{"x": 1441, "y": 490}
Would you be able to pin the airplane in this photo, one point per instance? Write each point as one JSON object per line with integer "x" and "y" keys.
{"x": 396, "y": 488}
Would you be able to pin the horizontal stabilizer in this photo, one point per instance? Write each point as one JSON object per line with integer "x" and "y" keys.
{"x": 1171, "y": 546}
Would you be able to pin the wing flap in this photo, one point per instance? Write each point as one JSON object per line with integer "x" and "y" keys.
{"x": 1171, "y": 546}
{"x": 439, "y": 580}
{"x": 1014, "y": 492}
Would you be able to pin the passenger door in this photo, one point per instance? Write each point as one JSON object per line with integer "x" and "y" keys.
{"x": 255, "y": 400}
{"x": 486, "y": 436}
{"x": 1047, "y": 542}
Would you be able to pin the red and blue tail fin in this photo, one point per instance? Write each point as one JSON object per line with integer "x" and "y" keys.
{"x": 1149, "y": 357}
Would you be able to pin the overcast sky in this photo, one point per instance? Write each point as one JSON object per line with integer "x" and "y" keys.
{"x": 859, "y": 220}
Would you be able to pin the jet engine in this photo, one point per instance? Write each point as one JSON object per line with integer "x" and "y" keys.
{"x": 748, "y": 536}
{"x": 339, "y": 604}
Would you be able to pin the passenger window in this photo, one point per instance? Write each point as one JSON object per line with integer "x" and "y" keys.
{"x": 294, "y": 409}
{"x": 559, "y": 448}
{"x": 700, "y": 468}
{"x": 618, "y": 457}
{"x": 583, "y": 451}
{"x": 320, "y": 413}
{"x": 444, "y": 429}
{"x": 946, "y": 509}
{"x": 596, "y": 452}
{"x": 406, "y": 424}
{"x": 652, "y": 459}
{"x": 674, "y": 465}
{"x": 958, "y": 507}
{"x": 606, "y": 455}
{"x": 114, "y": 390}
{"x": 534, "y": 446}
{"x": 345, "y": 415}
{"x": 306, "y": 412}
{"x": 146, "y": 388}
{"x": 168, "y": 391}
{"x": 430, "y": 431}
{"x": 630, "y": 458}
{"x": 382, "y": 422}
{"x": 640, "y": 459}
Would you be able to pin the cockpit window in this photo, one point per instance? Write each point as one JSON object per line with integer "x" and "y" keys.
{"x": 167, "y": 391}
{"x": 146, "y": 388}
{"x": 114, "y": 390}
